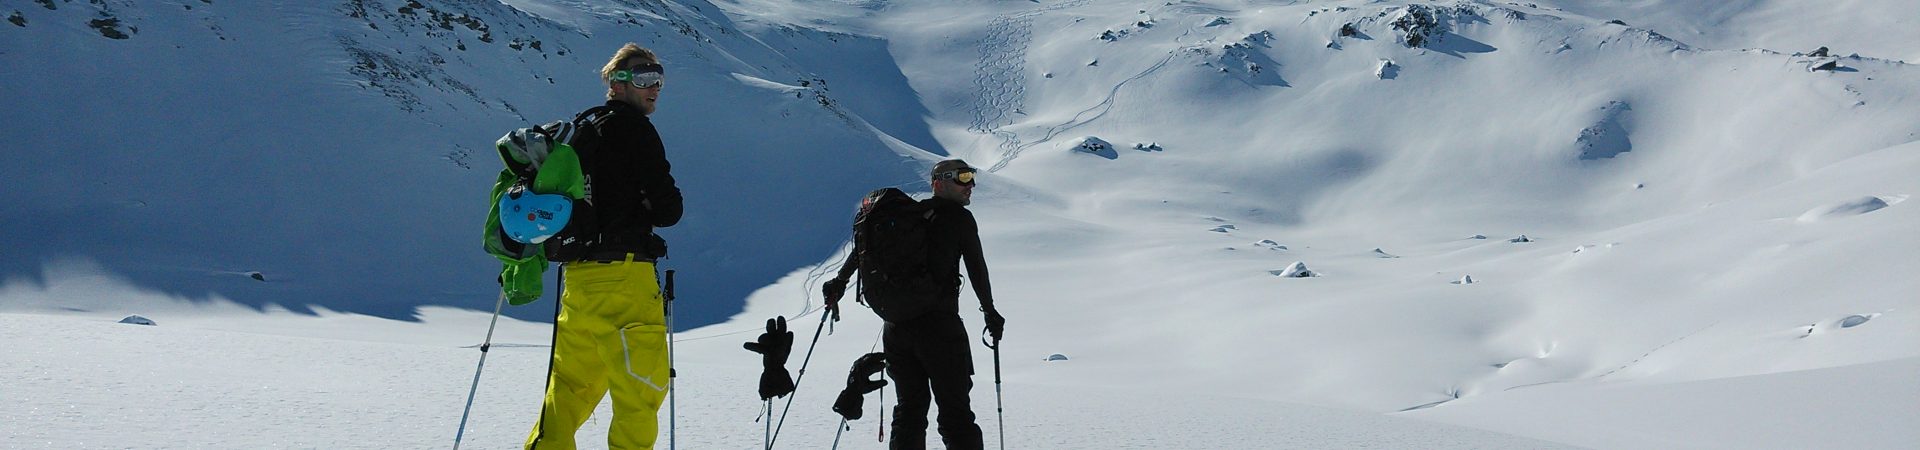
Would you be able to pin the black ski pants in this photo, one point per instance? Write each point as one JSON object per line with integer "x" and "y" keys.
{"x": 930, "y": 360}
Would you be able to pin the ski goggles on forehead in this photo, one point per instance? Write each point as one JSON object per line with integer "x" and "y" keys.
{"x": 963, "y": 177}
{"x": 642, "y": 76}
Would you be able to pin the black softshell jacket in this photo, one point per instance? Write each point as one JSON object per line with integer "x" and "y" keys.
{"x": 630, "y": 181}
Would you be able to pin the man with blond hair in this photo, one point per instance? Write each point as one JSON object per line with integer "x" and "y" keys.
{"x": 610, "y": 334}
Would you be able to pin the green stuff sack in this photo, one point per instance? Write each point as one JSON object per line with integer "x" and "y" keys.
{"x": 523, "y": 265}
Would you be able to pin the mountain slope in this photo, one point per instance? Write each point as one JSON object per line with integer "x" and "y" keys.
{"x": 1510, "y": 207}
{"x": 341, "y": 149}
{"x": 1532, "y": 197}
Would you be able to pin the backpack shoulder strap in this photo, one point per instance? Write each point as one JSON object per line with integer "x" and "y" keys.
{"x": 925, "y": 209}
{"x": 594, "y": 117}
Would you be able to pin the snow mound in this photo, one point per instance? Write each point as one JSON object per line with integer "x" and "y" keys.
{"x": 1848, "y": 208}
{"x": 1464, "y": 279}
{"x": 138, "y": 320}
{"x": 1584, "y": 247}
{"x": 1296, "y": 270}
{"x": 1269, "y": 244}
{"x": 1607, "y": 137}
{"x": 1828, "y": 326}
{"x": 1096, "y": 146}
{"x": 1521, "y": 240}
{"x": 1377, "y": 252}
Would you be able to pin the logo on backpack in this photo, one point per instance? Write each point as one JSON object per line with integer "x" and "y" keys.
{"x": 893, "y": 233}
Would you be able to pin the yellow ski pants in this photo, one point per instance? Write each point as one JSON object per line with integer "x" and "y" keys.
{"x": 611, "y": 334}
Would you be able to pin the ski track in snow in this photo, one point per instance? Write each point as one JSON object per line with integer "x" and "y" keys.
{"x": 1013, "y": 147}
{"x": 998, "y": 74}
{"x": 1644, "y": 356}
{"x": 1000, "y": 77}
{"x": 1098, "y": 110}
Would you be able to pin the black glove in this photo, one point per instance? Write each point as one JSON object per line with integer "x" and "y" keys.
{"x": 832, "y": 291}
{"x": 773, "y": 347}
{"x": 995, "y": 323}
{"x": 858, "y": 385}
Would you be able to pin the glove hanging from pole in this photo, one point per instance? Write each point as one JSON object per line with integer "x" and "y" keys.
{"x": 859, "y": 385}
{"x": 774, "y": 346}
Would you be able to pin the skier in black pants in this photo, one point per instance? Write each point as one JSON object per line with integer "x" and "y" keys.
{"x": 929, "y": 357}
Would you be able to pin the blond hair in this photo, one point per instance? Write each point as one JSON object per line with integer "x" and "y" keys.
{"x": 624, "y": 58}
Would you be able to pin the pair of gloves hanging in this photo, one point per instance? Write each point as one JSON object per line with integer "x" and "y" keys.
{"x": 774, "y": 347}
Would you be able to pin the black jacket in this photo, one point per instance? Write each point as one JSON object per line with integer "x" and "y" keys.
{"x": 629, "y": 182}
{"x": 955, "y": 240}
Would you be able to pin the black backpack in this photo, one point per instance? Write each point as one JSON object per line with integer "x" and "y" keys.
{"x": 892, "y": 232}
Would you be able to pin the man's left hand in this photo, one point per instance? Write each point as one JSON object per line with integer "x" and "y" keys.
{"x": 995, "y": 323}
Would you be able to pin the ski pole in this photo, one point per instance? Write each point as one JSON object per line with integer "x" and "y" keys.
{"x": 881, "y": 432}
{"x": 796, "y": 381}
{"x": 999, "y": 409}
{"x": 837, "y": 431}
{"x": 484, "y": 345}
{"x": 667, "y": 295}
{"x": 999, "y": 402}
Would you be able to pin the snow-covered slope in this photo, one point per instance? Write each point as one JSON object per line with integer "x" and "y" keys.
{"x": 337, "y": 148}
{"x": 1690, "y": 213}
{"x": 1869, "y": 27}
{"x": 1609, "y": 224}
{"x": 191, "y": 385}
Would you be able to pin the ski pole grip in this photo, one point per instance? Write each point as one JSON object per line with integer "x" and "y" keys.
{"x": 669, "y": 286}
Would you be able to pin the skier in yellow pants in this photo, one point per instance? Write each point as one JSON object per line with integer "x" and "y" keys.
{"x": 611, "y": 335}
{"x": 611, "y": 332}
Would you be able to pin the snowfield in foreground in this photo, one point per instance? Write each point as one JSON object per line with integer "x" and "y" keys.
{"x": 189, "y": 387}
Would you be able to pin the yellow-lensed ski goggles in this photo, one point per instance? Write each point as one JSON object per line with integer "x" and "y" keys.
{"x": 643, "y": 76}
{"x": 963, "y": 177}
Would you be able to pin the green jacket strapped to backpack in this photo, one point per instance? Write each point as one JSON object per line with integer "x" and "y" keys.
{"x": 556, "y": 170}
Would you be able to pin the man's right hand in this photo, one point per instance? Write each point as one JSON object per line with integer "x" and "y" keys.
{"x": 832, "y": 291}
